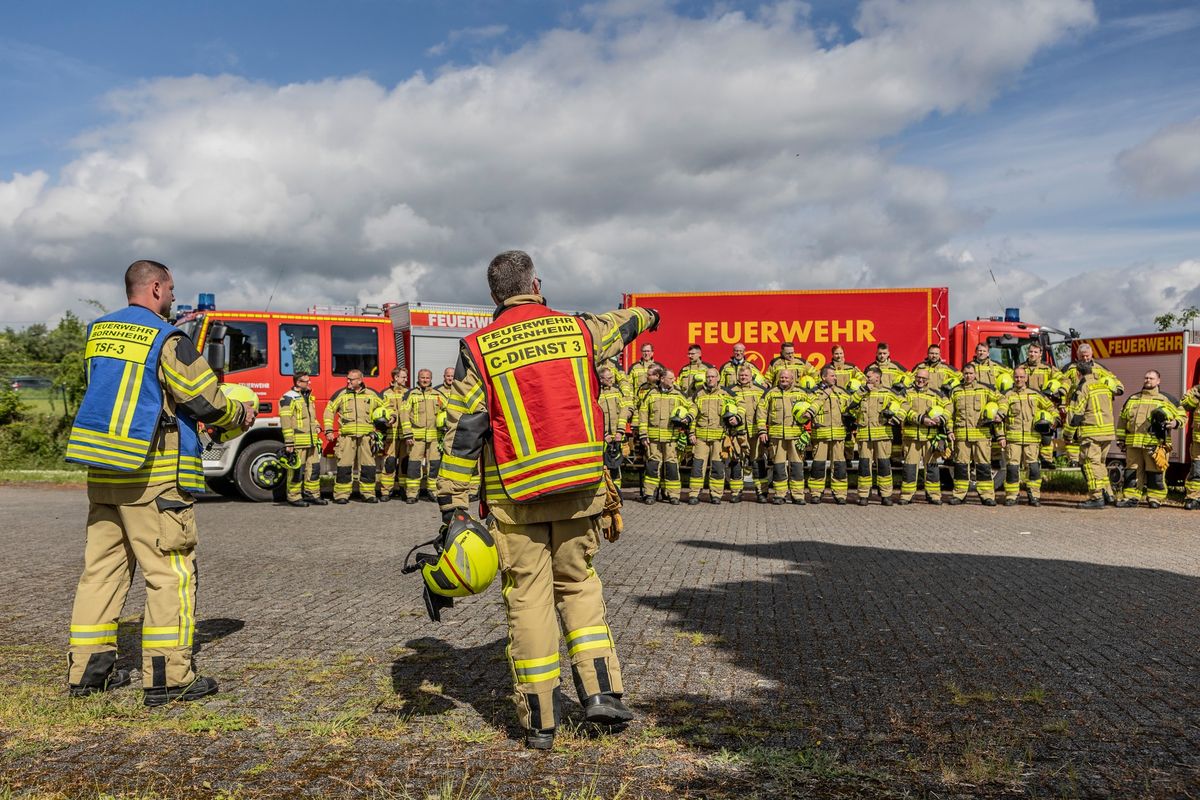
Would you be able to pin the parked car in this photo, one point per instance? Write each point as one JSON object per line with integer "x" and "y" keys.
{"x": 30, "y": 382}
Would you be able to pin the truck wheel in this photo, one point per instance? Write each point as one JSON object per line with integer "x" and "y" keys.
{"x": 246, "y": 467}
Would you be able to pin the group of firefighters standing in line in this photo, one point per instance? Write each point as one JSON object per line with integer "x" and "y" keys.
{"x": 748, "y": 428}
{"x": 388, "y": 443}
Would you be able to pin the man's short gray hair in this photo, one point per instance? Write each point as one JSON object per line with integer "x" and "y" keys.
{"x": 510, "y": 274}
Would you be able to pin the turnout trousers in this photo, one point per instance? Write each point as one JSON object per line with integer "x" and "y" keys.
{"x": 707, "y": 461}
{"x": 1092, "y": 456}
{"x": 1151, "y": 482}
{"x": 548, "y": 578}
{"x": 921, "y": 459}
{"x": 355, "y": 462}
{"x": 750, "y": 471}
{"x": 662, "y": 469}
{"x": 976, "y": 453}
{"x": 875, "y": 467}
{"x": 829, "y": 456}
{"x": 1023, "y": 459}
{"x": 424, "y": 461}
{"x": 787, "y": 468}
{"x": 1193, "y": 478}
{"x": 389, "y": 478}
{"x": 158, "y": 535}
{"x": 305, "y": 481}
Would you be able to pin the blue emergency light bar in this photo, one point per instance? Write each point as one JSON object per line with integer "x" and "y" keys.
{"x": 1012, "y": 315}
{"x": 207, "y": 302}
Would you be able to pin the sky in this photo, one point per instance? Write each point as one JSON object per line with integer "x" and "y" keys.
{"x": 1043, "y": 154}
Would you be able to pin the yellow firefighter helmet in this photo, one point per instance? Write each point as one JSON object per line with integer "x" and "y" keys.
{"x": 466, "y": 563}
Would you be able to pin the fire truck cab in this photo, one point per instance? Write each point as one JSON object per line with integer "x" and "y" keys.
{"x": 1008, "y": 340}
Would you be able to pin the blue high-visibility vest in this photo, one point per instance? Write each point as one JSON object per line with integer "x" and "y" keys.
{"x": 122, "y": 410}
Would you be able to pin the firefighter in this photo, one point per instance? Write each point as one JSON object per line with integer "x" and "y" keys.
{"x": 925, "y": 439}
{"x": 879, "y": 411}
{"x": 892, "y": 374}
{"x": 1045, "y": 378}
{"x": 424, "y": 455}
{"x": 749, "y": 465}
{"x": 620, "y": 377}
{"x": 1070, "y": 373}
{"x": 545, "y": 494}
{"x": 1144, "y": 427}
{"x": 136, "y": 430}
{"x": 444, "y": 390}
{"x": 692, "y": 374}
{"x": 787, "y": 360}
{"x": 830, "y": 405}
{"x": 712, "y": 405}
{"x": 1028, "y": 415}
{"x": 730, "y": 369}
{"x": 844, "y": 371}
{"x": 351, "y": 408}
{"x": 1090, "y": 427}
{"x": 781, "y": 419}
{"x": 390, "y": 481}
{"x": 638, "y": 372}
{"x": 974, "y": 407}
{"x": 1191, "y": 402}
{"x": 941, "y": 376}
{"x": 302, "y": 436}
{"x": 659, "y": 403}
{"x": 617, "y": 409}
{"x": 987, "y": 371}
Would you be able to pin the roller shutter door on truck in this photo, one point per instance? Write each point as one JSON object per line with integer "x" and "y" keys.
{"x": 433, "y": 353}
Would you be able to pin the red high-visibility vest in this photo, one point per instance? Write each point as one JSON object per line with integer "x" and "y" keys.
{"x": 539, "y": 380}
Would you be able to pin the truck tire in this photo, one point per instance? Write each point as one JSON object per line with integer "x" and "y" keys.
{"x": 244, "y": 469}
{"x": 224, "y": 487}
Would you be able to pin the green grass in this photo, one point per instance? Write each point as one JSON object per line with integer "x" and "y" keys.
{"x": 57, "y": 477}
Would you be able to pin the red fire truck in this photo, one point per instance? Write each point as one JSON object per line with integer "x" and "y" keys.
{"x": 1176, "y": 356}
{"x": 262, "y": 350}
{"x": 908, "y": 320}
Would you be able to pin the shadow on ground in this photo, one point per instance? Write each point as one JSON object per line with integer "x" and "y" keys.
{"x": 1000, "y": 674}
{"x": 129, "y": 637}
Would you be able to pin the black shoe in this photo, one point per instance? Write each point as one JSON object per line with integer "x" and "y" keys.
{"x": 1129, "y": 503}
{"x": 396, "y": 493}
{"x": 885, "y": 501}
{"x": 648, "y": 499}
{"x": 760, "y": 498}
{"x": 412, "y": 501}
{"x": 954, "y": 501}
{"x": 693, "y": 501}
{"x": 1095, "y": 502}
{"x": 1153, "y": 503}
{"x": 862, "y": 501}
{"x": 370, "y": 498}
{"x": 316, "y": 501}
{"x": 384, "y": 498}
{"x": 987, "y": 501}
{"x": 777, "y": 501}
{"x": 539, "y": 740}
{"x": 716, "y": 501}
{"x": 200, "y": 687}
{"x": 341, "y": 501}
{"x": 798, "y": 500}
{"x": 673, "y": 501}
{"x": 115, "y": 680}
{"x": 1033, "y": 501}
{"x": 905, "y": 501}
{"x": 736, "y": 497}
{"x": 298, "y": 503}
{"x": 606, "y": 709}
{"x": 1191, "y": 505}
{"x": 1010, "y": 501}
{"x": 841, "y": 501}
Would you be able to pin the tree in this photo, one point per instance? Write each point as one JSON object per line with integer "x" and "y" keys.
{"x": 1183, "y": 319}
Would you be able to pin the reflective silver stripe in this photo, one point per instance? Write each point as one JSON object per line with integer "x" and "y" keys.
{"x": 94, "y": 634}
{"x": 591, "y": 637}
{"x": 128, "y": 380}
{"x": 526, "y": 464}
{"x": 506, "y": 386}
{"x": 542, "y": 670}
{"x": 160, "y": 637}
{"x": 528, "y": 484}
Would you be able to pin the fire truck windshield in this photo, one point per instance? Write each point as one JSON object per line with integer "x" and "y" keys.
{"x": 191, "y": 329}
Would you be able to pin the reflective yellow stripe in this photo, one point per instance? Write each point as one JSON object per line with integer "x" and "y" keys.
{"x": 160, "y": 637}
{"x": 186, "y": 622}
{"x": 106, "y": 456}
{"x": 514, "y": 414}
{"x": 125, "y": 443}
{"x": 532, "y": 670}
{"x": 583, "y": 391}
{"x": 134, "y": 395}
{"x": 119, "y": 404}
{"x": 514, "y": 468}
{"x": 593, "y": 638}
{"x": 190, "y": 386}
{"x": 104, "y": 633}
{"x": 556, "y": 479}
{"x": 457, "y": 468}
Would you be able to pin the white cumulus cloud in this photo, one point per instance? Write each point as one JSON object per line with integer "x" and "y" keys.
{"x": 1165, "y": 165}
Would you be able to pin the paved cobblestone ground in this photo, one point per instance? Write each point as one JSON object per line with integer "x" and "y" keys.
{"x": 791, "y": 651}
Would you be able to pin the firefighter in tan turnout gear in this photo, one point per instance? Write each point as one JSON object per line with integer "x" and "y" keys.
{"x": 617, "y": 409}
{"x": 923, "y": 439}
{"x": 350, "y": 408}
{"x": 424, "y": 403}
{"x": 713, "y": 405}
{"x": 940, "y": 376}
{"x": 1143, "y": 430}
{"x": 136, "y": 430}
{"x": 830, "y": 403}
{"x": 544, "y": 486}
{"x": 692, "y": 374}
{"x": 749, "y": 460}
{"x": 781, "y": 420}
{"x": 879, "y": 410}
{"x": 1191, "y": 402}
{"x": 788, "y": 360}
{"x": 302, "y": 436}
{"x": 1028, "y": 416}
{"x": 660, "y": 403}
{"x": 1091, "y": 427}
{"x": 390, "y": 478}
{"x": 974, "y": 408}
{"x": 731, "y": 368}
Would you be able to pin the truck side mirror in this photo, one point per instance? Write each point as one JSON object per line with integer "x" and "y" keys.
{"x": 214, "y": 348}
